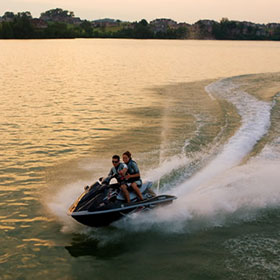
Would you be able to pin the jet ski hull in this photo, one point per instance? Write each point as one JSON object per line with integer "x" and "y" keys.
{"x": 106, "y": 217}
{"x": 97, "y": 220}
{"x": 101, "y": 204}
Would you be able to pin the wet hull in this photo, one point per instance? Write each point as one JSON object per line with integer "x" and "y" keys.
{"x": 106, "y": 217}
{"x": 101, "y": 220}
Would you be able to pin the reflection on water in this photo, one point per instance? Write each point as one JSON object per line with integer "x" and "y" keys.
{"x": 68, "y": 105}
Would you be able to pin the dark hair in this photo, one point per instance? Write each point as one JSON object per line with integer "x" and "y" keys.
{"x": 127, "y": 153}
{"x": 116, "y": 157}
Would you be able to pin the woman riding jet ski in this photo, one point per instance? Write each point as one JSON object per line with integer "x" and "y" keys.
{"x": 103, "y": 203}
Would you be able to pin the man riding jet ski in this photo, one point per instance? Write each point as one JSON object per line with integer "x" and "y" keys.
{"x": 103, "y": 203}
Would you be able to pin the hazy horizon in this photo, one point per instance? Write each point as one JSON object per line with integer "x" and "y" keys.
{"x": 257, "y": 11}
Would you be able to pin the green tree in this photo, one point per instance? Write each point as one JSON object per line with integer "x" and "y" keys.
{"x": 142, "y": 30}
{"x": 86, "y": 29}
{"x": 8, "y": 15}
{"x": 181, "y": 32}
{"x": 24, "y": 15}
{"x": 57, "y": 13}
{"x": 22, "y": 27}
{"x": 6, "y": 30}
{"x": 59, "y": 30}
{"x": 276, "y": 34}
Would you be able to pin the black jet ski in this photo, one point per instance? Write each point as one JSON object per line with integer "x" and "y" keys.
{"x": 102, "y": 203}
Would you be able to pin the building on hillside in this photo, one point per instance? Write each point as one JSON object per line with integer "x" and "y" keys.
{"x": 128, "y": 25}
{"x": 206, "y": 24}
{"x": 184, "y": 24}
{"x": 271, "y": 28}
{"x": 39, "y": 23}
{"x": 273, "y": 25}
{"x": 202, "y": 29}
{"x": 76, "y": 21}
{"x": 7, "y": 19}
{"x": 61, "y": 18}
{"x": 163, "y": 24}
{"x": 249, "y": 24}
{"x": 106, "y": 22}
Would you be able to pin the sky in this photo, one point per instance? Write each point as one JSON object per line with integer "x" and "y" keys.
{"x": 190, "y": 11}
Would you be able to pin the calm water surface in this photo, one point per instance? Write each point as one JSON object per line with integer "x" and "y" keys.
{"x": 200, "y": 117}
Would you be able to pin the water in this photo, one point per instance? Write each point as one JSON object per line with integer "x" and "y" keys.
{"x": 200, "y": 117}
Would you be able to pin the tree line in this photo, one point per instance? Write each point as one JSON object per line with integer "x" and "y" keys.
{"x": 59, "y": 23}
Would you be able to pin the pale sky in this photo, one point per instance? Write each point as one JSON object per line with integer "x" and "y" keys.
{"x": 258, "y": 11}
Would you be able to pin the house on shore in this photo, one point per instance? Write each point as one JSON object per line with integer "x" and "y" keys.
{"x": 106, "y": 22}
{"x": 61, "y": 18}
{"x": 162, "y": 25}
{"x": 39, "y": 23}
{"x": 202, "y": 29}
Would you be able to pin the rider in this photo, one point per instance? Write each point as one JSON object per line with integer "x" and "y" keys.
{"x": 118, "y": 170}
{"x": 132, "y": 177}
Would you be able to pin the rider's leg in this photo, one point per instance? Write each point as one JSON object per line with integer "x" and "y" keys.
{"x": 125, "y": 192}
{"x": 137, "y": 190}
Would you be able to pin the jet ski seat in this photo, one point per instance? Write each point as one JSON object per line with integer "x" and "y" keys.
{"x": 132, "y": 194}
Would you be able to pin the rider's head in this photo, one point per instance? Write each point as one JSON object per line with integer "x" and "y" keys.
{"x": 115, "y": 160}
{"x": 126, "y": 156}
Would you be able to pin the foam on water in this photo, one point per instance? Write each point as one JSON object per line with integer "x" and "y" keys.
{"x": 255, "y": 123}
{"x": 166, "y": 166}
{"x": 224, "y": 188}
{"x": 221, "y": 191}
{"x": 234, "y": 195}
{"x": 58, "y": 205}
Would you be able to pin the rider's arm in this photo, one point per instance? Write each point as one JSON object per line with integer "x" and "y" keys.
{"x": 111, "y": 173}
{"x": 136, "y": 169}
{"x": 108, "y": 178}
{"x": 132, "y": 175}
{"x": 123, "y": 171}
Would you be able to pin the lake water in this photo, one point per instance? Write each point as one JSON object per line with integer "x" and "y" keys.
{"x": 201, "y": 118}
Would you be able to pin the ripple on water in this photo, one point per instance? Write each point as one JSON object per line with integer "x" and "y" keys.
{"x": 254, "y": 257}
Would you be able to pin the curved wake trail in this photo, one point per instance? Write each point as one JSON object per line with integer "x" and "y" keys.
{"x": 255, "y": 122}
{"x": 223, "y": 186}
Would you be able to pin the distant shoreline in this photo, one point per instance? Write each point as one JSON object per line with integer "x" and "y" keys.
{"x": 136, "y": 39}
{"x": 62, "y": 24}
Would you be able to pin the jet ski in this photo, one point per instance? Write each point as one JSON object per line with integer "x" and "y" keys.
{"x": 103, "y": 203}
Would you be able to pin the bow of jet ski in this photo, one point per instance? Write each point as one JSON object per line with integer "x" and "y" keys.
{"x": 102, "y": 204}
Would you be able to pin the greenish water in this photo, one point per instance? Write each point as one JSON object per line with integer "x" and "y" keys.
{"x": 198, "y": 117}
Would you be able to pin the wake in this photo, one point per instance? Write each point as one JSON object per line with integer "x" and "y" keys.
{"x": 224, "y": 189}
{"x": 255, "y": 123}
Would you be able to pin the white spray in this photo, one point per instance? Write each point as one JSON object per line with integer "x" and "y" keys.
{"x": 222, "y": 187}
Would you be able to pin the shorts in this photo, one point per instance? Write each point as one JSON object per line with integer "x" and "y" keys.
{"x": 138, "y": 183}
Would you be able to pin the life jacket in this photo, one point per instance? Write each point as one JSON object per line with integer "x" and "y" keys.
{"x": 132, "y": 168}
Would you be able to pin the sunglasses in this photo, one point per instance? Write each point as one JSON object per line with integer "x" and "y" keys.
{"x": 115, "y": 161}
